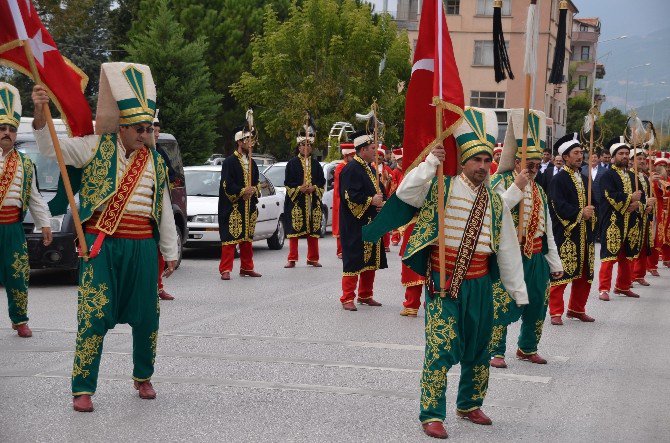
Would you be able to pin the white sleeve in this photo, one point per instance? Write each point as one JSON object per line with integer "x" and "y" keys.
{"x": 168, "y": 230}
{"x": 512, "y": 196}
{"x": 509, "y": 260}
{"x": 77, "y": 151}
{"x": 38, "y": 208}
{"x": 554, "y": 260}
{"x": 414, "y": 187}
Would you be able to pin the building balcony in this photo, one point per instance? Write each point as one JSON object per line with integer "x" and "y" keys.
{"x": 584, "y": 37}
{"x": 583, "y": 67}
{"x": 600, "y": 71}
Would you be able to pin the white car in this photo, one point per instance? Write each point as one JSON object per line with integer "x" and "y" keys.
{"x": 276, "y": 173}
{"x": 202, "y": 190}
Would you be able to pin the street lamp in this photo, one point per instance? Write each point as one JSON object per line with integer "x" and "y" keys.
{"x": 627, "y": 72}
{"x": 595, "y": 63}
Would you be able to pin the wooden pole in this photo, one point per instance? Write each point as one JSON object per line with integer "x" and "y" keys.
{"x": 593, "y": 125}
{"x": 524, "y": 150}
{"x": 376, "y": 141}
{"x": 439, "y": 109}
{"x": 83, "y": 247}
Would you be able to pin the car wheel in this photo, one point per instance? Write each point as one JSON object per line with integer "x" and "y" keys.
{"x": 324, "y": 221}
{"x": 276, "y": 242}
{"x": 180, "y": 248}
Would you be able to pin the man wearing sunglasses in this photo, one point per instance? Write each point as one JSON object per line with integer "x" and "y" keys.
{"x": 18, "y": 194}
{"x": 124, "y": 203}
{"x": 539, "y": 255}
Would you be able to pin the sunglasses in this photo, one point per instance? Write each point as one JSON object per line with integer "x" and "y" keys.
{"x": 142, "y": 129}
{"x": 9, "y": 128}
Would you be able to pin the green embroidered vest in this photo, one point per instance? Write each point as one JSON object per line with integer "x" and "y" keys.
{"x": 97, "y": 181}
{"x": 26, "y": 183}
{"x": 425, "y": 230}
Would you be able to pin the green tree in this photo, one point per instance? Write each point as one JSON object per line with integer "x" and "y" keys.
{"x": 578, "y": 107}
{"x": 188, "y": 105}
{"x": 324, "y": 58}
{"x": 613, "y": 123}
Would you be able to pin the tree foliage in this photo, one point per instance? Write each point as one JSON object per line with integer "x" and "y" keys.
{"x": 324, "y": 58}
{"x": 613, "y": 122}
{"x": 187, "y": 103}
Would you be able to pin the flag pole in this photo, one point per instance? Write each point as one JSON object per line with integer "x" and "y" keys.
{"x": 593, "y": 113}
{"x": 524, "y": 149}
{"x": 83, "y": 247}
{"x": 439, "y": 108}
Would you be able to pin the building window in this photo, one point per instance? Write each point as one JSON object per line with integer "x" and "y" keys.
{"x": 485, "y": 7}
{"x": 583, "y": 82}
{"x": 453, "y": 7}
{"x": 583, "y": 28}
{"x": 585, "y": 53}
{"x": 484, "y": 99}
{"x": 483, "y": 53}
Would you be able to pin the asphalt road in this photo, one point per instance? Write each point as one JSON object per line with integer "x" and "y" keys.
{"x": 277, "y": 359}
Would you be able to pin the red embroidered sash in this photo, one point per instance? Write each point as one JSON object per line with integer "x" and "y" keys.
{"x": 466, "y": 250}
{"x": 111, "y": 217}
{"x": 11, "y": 165}
{"x": 533, "y": 220}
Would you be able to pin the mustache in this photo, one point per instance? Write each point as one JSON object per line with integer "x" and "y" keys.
{"x": 6, "y": 137}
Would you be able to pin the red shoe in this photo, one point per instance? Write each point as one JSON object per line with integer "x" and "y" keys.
{"x": 164, "y": 295}
{"x": 627, "y": 293}
{"x": 289, "y": 264}
{"x": 251, "y": 273}
{"x": 435, "y": 429}
{"x": 23, "y": 330}
{"x": 146, "y": 390}
{"x": 477, "y": 417}
{"x": 339, "y": 256}
{"x": 642, "y": 281}
{"x": 654, "y": 273}
{"x": 225, "y": 275}
{"x": 498, "y": 362}
{"x": 349, "y": 306}
{"x": 82, "y": 403}
{"x": 604, "y": 296}
{"x": 369, "y": 301}
{"x": 316, "y": 264}
{"x": 579, "y": 316}
{"x": 557, "y": 321}
{"x": 533, "y": 358}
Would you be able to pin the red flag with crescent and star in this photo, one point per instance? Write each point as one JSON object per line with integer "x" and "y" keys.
{"x": 434, "y": 74}
{"x": 20, "y": 24}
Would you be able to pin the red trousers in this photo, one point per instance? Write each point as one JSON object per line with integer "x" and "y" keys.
{"x": 228, "y": 255}
{"x": 312, "y": 249}
{"x": 413, "y": 297}
{"x": 652, "y": 260}
{"x": 395, "y": 237}
{"x": 339, "y": 247}
{"x": 640, "y": 264}
{"x": 624, "y": 277}
{"x": 665, "y": 251}
{"x": 387, "y": 240}
{"x": 579, "y": 294}
{"x": 365, "y": 280}
{"x": 161, "y": 268}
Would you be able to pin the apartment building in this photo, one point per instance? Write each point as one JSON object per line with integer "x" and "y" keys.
{"x": 583, "y": 63}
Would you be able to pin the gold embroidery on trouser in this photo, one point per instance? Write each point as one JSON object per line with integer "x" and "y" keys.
{"x": 480, "y": 382}
{"x": 21, "y": 301}
{"x": 154, "y": 342}
{"x": 21, "y": 266}
{"x": 433, "y": 383}
{"x": 91, "y": 300}
{"x": 496, "y": 336}
{"x": 86, "y": 352}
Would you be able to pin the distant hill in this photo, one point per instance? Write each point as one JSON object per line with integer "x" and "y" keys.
{"x": 636, "y": 50}
{"x": 659, "y": 111}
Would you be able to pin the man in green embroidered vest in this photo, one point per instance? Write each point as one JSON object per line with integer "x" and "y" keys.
{"x": 540, "y": 257}
{"x": 125, "y": 206}
{"x": 480, "y": 243}
{"x": 18, "y": 194}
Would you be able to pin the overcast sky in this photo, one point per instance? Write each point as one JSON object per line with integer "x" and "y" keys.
{"x": 626, "y": 17}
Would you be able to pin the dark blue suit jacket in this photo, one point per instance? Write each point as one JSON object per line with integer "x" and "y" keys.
{"x": 586, "y": 170}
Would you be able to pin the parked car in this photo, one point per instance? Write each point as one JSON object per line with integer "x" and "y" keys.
{"x": 276, "y": 173}
{"x": 202, "y": 188}
{"x": 262, "y": 160}
{"x": 61, "y": 254}
{"x": 212, "y": 160}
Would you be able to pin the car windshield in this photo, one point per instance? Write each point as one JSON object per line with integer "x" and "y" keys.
{"x": 47, "y": 168}
{"x": 276, "y": 174}
{"x": 202, "y": 183}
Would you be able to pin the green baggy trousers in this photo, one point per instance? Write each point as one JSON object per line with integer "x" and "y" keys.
{"x": 15, "y": 270}
{"x": 457, "y": 331}
{"x": 118, "y": 286}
